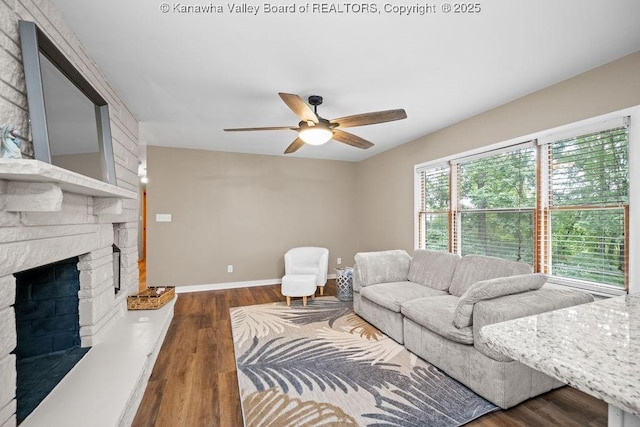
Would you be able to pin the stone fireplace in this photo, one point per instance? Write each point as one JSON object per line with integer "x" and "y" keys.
{"x": 48, "y": 214}
{"x": 62, "y": 219}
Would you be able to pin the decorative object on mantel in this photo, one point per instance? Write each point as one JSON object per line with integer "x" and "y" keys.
{"x": 13, "y": 145}
{"x": 10, "y": 144}
{"x": 151, "y": 298}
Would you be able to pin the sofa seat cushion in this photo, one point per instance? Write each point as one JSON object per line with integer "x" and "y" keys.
{"x": 493, "y": 288}
{"x": 433, "y": 268}
{"x": 436, "y": 314}
{"x": 392, "y": 295}
{"x": 473, "y": 268}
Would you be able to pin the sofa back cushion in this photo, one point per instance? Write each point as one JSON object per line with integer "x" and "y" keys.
{"x": 433, "y": 268}
{"x": 473, "y": 268}
{"x": 493, "y": 288}
{"x": 381, "y": 267}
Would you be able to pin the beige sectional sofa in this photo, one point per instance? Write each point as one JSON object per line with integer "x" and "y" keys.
{"x": 435, "y": 304}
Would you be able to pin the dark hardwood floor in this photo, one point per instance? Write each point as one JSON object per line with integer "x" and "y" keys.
{"x": 194, "y": 381}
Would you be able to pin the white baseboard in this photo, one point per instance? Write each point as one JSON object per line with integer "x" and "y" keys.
{"x": 228, "y": 285}
{"x": 232, "y": 285}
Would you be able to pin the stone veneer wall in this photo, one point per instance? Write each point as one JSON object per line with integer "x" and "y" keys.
{"x": 80, "y": 227}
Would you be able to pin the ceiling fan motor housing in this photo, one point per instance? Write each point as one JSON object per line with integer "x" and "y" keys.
{"x": 315, "y": 100}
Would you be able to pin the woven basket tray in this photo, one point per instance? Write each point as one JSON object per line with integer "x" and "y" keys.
{"x": 150, "y": 298}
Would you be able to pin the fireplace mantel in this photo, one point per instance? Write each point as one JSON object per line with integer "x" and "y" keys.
{"x": 28, "y": 178}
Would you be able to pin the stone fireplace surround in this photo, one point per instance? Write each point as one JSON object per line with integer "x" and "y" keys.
{"x": 48, "y": 214}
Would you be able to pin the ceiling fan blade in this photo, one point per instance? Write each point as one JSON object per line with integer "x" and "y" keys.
{"x": 294, "y": 146}
{"x": 370, "y": 118}
{"x": 299, "y": 107}
{"x": 351, "y": 139}
{"x": 266, "y": 128}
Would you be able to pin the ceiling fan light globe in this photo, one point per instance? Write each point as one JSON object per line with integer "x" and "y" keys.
{"x": 316, "y": 135}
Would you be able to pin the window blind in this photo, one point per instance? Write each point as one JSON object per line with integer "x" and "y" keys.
{"x": 591, "y": 169}
{"x": 496, "y": 203}
{"x": 588, "y": 207}
{"x": 433, "y": 216}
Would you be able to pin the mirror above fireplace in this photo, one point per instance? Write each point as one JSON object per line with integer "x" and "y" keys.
{"x": 69, "y": 118}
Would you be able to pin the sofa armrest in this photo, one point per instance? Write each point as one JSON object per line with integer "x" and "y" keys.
{"x": 380, "y": 267}
{"x": 520, "y": 305}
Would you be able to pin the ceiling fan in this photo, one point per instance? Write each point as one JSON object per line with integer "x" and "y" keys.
{"x": 316, "y": 130}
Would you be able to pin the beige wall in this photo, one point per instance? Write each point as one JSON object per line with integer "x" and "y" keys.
{"x": 246, "y": 210}
{"x": 385, "y": 182}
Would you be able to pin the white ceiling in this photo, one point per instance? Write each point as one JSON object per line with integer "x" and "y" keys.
{"x": 186, "y": 76}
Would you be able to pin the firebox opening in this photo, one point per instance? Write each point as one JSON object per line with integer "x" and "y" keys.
{"x": 48, "y": 330}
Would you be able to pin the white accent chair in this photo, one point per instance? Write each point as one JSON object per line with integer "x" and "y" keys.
{"x": 308, "y": 260}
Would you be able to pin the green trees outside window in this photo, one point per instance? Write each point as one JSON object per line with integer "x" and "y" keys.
{"x": 589, "y": 189}
{"x": 497, "y": 202}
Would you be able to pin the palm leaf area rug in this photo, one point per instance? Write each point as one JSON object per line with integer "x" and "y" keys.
{"x": 322, "y": 365}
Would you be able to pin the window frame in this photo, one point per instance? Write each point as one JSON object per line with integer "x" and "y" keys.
{"x": 546, "y": 207}
{"x": 595, "y": 124}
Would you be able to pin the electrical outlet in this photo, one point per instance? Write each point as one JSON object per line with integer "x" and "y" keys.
{"x": 229, "y": 268}
{"x": 339, "y": 261}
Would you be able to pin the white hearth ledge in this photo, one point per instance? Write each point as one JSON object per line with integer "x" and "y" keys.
{"x": 35, "y": 171}
{"x": 105, "y": 388}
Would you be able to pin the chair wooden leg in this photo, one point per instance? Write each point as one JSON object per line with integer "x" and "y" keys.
{"x": 313, "y": 295}
{"x": 304, "y": 301}
{"x": 321, "y": 290}
{"x": 288, "y": 301}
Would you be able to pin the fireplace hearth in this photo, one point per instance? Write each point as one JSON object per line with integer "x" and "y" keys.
{"x": 37, "y": 377}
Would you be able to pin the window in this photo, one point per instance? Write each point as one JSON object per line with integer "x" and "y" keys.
{"x": 433, "y": 212}
{"x": 560, "y": 204}
{"x": 496, "y": 204}
{"x": 587, "y": 210}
